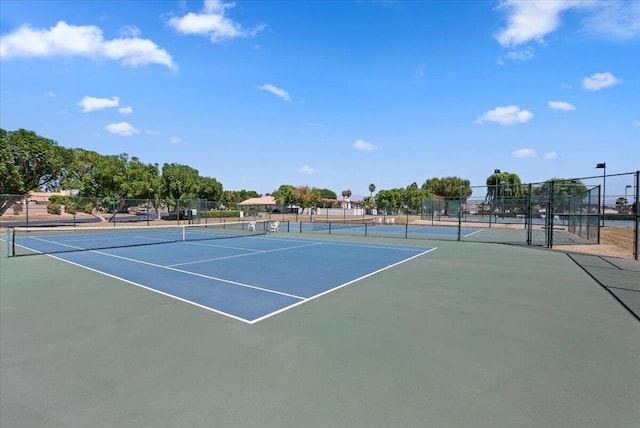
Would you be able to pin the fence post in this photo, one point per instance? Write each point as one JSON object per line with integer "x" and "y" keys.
{"x": 529, "y": 217}
{"x": 636, "y": 206}
{"x": 550, "y": 215}
{"x": 459, "y": 212}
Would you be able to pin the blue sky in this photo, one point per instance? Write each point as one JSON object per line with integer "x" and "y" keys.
{"x": 332, "y": 94}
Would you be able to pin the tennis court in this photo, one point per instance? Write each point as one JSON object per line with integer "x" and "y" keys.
{"x": 315, "y": 330}
{"x": 216, "y": 267}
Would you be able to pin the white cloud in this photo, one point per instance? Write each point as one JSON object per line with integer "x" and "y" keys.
{"x": 123, "y": 129}
{"x": 617, "y": 19}
{"x": 524, "y": 154}
{"x": 531, "y": 20}
{"x": 125, "y": 110}
{"x": 306, "y": 169}
{"x": 507, "y": 115}
{"x": 561, "y": 105}
{"x": 130, "y": 31}
{"x": 91, "y": 104}
{"x": 212, "y": 23}
{"x": 151, "y": 132}
{"x": 276, "y": 91}
{"x": 364, "y": 145}
{"x": 523, "y": 55}
{"x": 598, "y": 81}
{"x": 50, "y": 94}
{"x": 551, "y": 156}
{"x": 175, "y": 140}
{"x": 85, "y": 41}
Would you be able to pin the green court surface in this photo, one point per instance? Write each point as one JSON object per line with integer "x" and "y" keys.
{"x": 469, "y": 335}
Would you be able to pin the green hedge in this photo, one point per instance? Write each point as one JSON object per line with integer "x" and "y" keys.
{"x": 220, "y": 214}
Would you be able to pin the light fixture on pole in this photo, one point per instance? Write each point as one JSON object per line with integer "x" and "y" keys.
{"x": 626, "y": 202}
{"x": 603, "y": 166}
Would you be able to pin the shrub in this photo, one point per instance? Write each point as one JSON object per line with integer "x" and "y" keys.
{"x": 220, "y": 214}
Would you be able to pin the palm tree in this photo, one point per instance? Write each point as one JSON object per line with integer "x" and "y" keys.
{"x": 372, "y": 188}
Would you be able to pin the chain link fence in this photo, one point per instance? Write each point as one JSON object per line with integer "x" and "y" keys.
{"x": 567, "y": 212}
{"x": 73, "y": 210}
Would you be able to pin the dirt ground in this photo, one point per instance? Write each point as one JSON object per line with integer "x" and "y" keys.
{"x": 614, "y": 242}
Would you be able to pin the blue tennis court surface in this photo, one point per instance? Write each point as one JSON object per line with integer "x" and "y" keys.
{"x": 249, "y": 278}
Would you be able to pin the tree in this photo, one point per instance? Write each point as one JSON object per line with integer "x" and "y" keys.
{"x": 180, "y": 183}
{"x": 390, "y": 200}
{"x": 210, "y": 189}
{"x": 413, "y": 197}
{"x": 346, "y": 194}
{"x": 500, "y": 184}
{"x": 369, "y": 203}
{"x": 285, "y": 195}
{"x": 113, "y": 180}
{"x": 306, "y": 197}
{"x": 372, "y": 188}
{"x": 327, "y": 194}
{"x": 80, "y": 174}
{"x": 448, "y": 187}
{"x": 564, "y": 189}
{"x": 27, "y": 162}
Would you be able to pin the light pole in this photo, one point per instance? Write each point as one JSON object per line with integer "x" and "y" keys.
{"x": 626, "y": 202}
{"x": 603, "y": 166}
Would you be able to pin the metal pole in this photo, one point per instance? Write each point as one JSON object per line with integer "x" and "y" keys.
{"x": 604, "y": 191}
{"x": 27, "y": 202}
{"x": 459, "y": 212}
{"x": 636, "y": 205}
{"x": 551, "y": 214}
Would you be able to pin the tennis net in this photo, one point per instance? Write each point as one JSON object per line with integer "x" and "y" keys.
{"x": 329, "y": 224}
{"x": 22, "y": 241}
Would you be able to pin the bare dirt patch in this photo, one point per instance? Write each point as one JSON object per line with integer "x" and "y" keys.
{"x": 614, "y": 242}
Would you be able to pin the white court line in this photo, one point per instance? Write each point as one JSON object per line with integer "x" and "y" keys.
{"x": 472, "y": 233}
{"x": 267, "y": 290}
{"x": 202, "y": 243}
{"x": 352, "y": 244}
{"x": 255, "y": 287}
{"x": 301, "y": 301}
{"x": 151, "y": 289}
{"x": 244, "y": 255}
{"x": 339, "y": 287}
